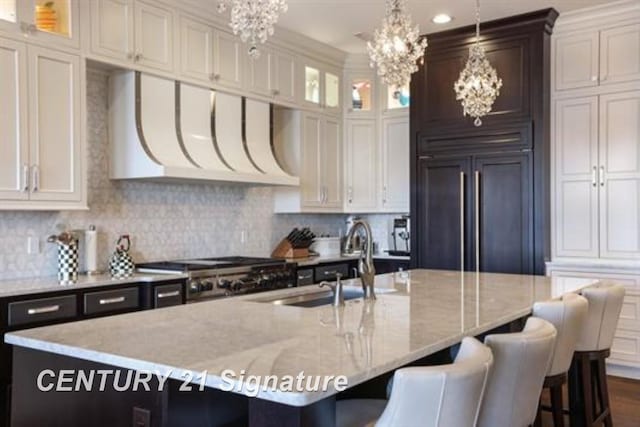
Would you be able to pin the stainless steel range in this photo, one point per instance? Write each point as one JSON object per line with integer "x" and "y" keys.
{"x": 212, "y": 278}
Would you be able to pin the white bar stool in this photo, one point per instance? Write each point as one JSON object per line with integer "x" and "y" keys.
{"x": 445, "y": 395}
{"x": 588, "y": 370}
{"x": 521, "y": 361}
{"x": 568, "y": 316}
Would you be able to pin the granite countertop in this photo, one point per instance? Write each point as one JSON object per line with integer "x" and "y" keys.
{"x": 416, "y": 314}
{"x": 19, "y": 287}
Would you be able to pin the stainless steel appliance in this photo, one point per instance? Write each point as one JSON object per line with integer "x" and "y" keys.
{"x": 213, "y": 278}
{"x": 400, "y": 236}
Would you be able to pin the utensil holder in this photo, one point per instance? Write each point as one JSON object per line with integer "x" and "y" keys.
{"x": 286, "y": 250}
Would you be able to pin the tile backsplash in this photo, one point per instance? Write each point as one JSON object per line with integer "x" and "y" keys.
{"x": 164, "y": 220}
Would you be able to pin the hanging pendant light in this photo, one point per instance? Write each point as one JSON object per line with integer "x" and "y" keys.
{"x": 253, "y": 20}
{"x": 396, "y": 46}
{"x": 478, "y": 85}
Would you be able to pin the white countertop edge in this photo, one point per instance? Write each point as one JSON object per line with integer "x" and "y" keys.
{"x": 39, "y": 285}
{"x": 293, "y": 398}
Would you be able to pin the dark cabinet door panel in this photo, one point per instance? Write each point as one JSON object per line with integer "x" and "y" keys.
{"x": 504, "y": 201}
{"x": 443, "y": 215}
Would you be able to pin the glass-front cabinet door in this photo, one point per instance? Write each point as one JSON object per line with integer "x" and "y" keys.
{"x": 312, "y": 85}
{"x": 397, "y": 98}
{"x": 331, "y": 91}
{"x": 52, "y": 21}
{"x": 360, "y": 95}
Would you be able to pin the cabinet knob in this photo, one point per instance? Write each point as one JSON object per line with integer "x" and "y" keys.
{"x": 137, "y": 57}
{"x": 25, "y": 178}
{"x": 216, "y": 77}
{"x": 594, "y": 78}
{"x": 275, "y": 92}
{"x": 130, "y": 55}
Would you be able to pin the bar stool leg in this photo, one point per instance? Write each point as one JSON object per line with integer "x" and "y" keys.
{"x": 604, "y": 391}
{"x": 557, "y": 408}
{"x": 587, "y": 397}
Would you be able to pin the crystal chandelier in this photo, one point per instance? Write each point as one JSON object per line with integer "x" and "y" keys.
{"x": 396, "y": 46}
{"x": 253, "y": 20}
{"x": 478, "y": 85}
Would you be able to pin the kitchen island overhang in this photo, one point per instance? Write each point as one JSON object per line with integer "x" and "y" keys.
{"x": 417, "y": 315}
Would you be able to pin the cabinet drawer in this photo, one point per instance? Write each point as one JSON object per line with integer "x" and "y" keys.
{"x": 40, "y": 310}
{"x": 116, "y": 300}
{"x": 305, "y": 277}
{"x": 329, "y": 272}
{"x": 167, "y": 295}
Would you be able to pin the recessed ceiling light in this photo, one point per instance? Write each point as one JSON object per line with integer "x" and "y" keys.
{"x": 442, "y": 18}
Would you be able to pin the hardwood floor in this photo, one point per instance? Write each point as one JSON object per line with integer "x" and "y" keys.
{"x": 625, "y": 403}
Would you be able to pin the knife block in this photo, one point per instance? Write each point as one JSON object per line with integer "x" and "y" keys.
{"x": 286, "y": 250}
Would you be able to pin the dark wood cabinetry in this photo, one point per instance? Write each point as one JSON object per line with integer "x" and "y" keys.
{"x": 49, "y": 308}
{"x": 480, "y": 195}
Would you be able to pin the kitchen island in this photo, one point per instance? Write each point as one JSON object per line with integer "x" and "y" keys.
{"x": 416, "y": 314}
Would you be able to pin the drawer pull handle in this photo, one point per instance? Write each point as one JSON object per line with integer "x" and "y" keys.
{"x": 169, "y": 294}
{"x": 112, "y": 300}
{"x": 42, "y": 310}
{"x": 330, "y": 273}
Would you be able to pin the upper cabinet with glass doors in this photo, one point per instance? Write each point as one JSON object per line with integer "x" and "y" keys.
{"x": 396, "y": 99}
{"x": 360, "y": 94}
{"x": 45, "y": 21}
{"x": 322, "y": 87}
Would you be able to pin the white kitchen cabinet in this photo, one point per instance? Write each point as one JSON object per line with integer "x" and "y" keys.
{"x": 272, "y": 74}
{"x": 14, "y": 162}
{"x": 228, "y": 58}
{"x": 258, "y": 72}
{"x": 54, "y": 125}
{"x": 153, "y": 29}
{"x": 312, "y": 149}
{"x": 619, "y": 152}
{"x": 620, "y": 54}
{"x": 321, "y": 172}
{"x": 593, "y": 58}
{"x": 196, "y": 48}
{"x": 361, "y": 165}
{"x": 597, "y": 177}
{"x": 311, "y": 172}
{"x": 40, "y": 127}
{"x": 132, "y": 31}
{"x": 112, "y": 29}
{"x": 322, "y": 87}
{"x": 394, "y": 163}
{"x": 41, "y": 21}
{"x": 332, "y": 163}
{"x": 283, "y": 76}
{"x": 576, "y": 177}
{"x": 576, "y": 60}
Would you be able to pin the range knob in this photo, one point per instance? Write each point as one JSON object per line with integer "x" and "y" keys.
{"x": 194, "y": 287}
{"x": 206, "y": 285}
{"x": 224, "y": 284}
{"x": 237, "y": 285}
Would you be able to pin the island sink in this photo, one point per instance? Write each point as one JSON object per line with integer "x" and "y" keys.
{"x": 314, "y": 299}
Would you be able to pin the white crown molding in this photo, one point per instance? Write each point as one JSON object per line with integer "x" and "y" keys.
{"x": 282, "y": 38}
{"x": 615, "y": 13}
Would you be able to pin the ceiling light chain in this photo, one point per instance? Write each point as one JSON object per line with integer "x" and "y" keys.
{"x": 253, "y": 20}
{"x": 396, "y": 46}
{"x": 478, "y": 85}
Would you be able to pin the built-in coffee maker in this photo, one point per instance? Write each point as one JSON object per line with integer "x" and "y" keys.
{"x": 400, "y": 235}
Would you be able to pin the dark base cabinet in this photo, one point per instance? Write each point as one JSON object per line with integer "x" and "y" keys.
{"x": 30, "y": 311}
{"x": 480, "y": 196}
{"x": 390, "y": 265}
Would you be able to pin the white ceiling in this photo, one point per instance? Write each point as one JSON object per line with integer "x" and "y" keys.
{"x": 335, "y": 21}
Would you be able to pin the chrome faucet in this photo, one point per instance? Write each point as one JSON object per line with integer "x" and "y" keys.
{"x": 366, "y": 269}
{"x": 338, "y": 293}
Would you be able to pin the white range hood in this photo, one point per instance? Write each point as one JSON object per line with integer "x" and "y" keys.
{"x": 161, "y": 129}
